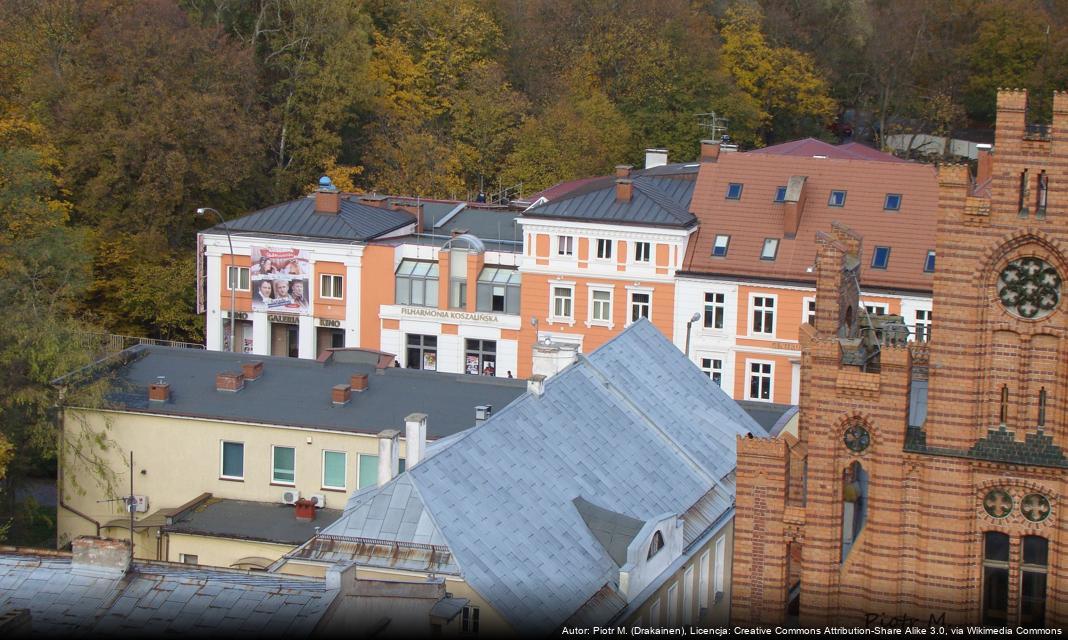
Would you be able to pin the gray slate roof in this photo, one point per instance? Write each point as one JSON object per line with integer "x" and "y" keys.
{"x": 158, "y": 599}
{"x": 634, "y": 440}
{"x": 247, "y": 520}
{"x": 355, "y": 222}
{"x": 296, "y": 392}
{"x": 660, "y": 198}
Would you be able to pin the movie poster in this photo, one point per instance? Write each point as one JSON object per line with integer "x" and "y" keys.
{"x": 280, "y": 279}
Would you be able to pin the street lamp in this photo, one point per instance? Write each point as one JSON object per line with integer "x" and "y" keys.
{"x": 689, "y": 326}
{"x": 203, "y": 211}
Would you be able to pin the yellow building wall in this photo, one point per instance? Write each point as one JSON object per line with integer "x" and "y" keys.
{"x": 220, "y": 552}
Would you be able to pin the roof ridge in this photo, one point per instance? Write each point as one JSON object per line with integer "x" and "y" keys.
{"x": 669, "y": 204}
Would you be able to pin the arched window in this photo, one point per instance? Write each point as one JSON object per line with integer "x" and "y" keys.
{"x": 1042, "y": 407}
{"x": 995, "y": 578}
{"x": 1033, "y": 572}
{"x": 656, "y": 545}
{"x": 1003, "y": 413}
{"x": 854, "y": 505}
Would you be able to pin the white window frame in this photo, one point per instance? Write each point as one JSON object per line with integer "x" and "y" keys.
{"x": 241, "y": 271}
{"x": 630, "y": 303}
{"x": 673, "y": 605}
{"x": 648, "y": 252}
{"x": 712, "y": 359}
{"x": 726, "y": 244}
{"x": 687, "y": 595}
{"x": 721, "y": 570}
{"x": 715, "y": 304}
{"x": 565, "y": 242}
{"x": 345, "y": 470}
{"x": 702, "y": 577}
{"x": 184, "y": 558}
{"x": 610, "y": 243}
{"x": 774, "y": 243}
{"x": 284, "y": 483}
{"x": 885, "y": 307}
{"x": 334, "y": 279}
{"x": 749, "y": 380}
{"x": 222, "y": 459}
{"x": 924, "y": 322}
{"x": 807, "y": 314}
{"x": 553, "y": 286}
{"x": 774, "y": 315}
{"x": 591, "y": 321}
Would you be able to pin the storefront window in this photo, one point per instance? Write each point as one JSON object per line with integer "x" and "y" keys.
{"x": 417, "y": 283}
{"x": 422, "y": 352}
{"x": 244, "y": 335}
{"x": 498, "y": 290}
{"x": 480, "y": 357}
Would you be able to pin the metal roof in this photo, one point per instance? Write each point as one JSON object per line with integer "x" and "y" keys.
{"x": 660, "y": 197}
{"x": 248, "y": 520}
{"x": 355, "y": 222}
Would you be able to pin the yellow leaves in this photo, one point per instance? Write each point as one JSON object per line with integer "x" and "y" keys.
{"x": 343, "y": 176}
{"x": 7, "y": 452}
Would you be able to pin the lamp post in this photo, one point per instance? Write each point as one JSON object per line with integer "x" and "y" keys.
{"x": 689, "y": 327}
{"x": 203, "y": 211}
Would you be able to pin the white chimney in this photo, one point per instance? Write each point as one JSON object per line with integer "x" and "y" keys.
{"x": 388, "y": 455}
{"x": 536, "y": 384}
{"x": 551, "y": 357}
{"x": 414, "y": 438}
{"x": 655, "y": 158}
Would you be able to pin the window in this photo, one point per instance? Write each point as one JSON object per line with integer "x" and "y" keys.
{"x": 854, "y": 505}
{"x": 881, "y": 258}
{"x": 422, "y": 352}
{"x": 367, "y": 472}
{"x": 601, "y": 305}
{"x": 642, "y": 251}
{"x": 719, "y": 247}
{"x": 331, "y": 286}
{"x": 654, "y": 613}
{"x": 771, "y": 248}
{"x": 188, "y": 558}
{"x": 655, "y": 545}
{"x": 417, "y": 283}
{"x": 1033, "y": 581}
{"x": 334, "y": 466}
{"x": 721, "y": 568}
{"x": 702, "y": 577}
{"x": 780, "y": 194}
{"x": 1043, "y": 193}
{"x": 238, "y": 276}
{"x": 876, "y": 309}
{"x": 640, "y": 304}
{"x": 892, "y": 202}
{"x": 923, "y": 325}
{"x": 1041, "y": 407}
{"x": 810, "y": 311}
{"x": 837, "y": 199}
{"x": 604, "y": 248}
{"x": 480, "y": 357}
{"x": 673, "y": 605}
{"x": 565, "y": 245}
{"x": 687, "y": 595}
{"x": 734, "y": 191}
{"x": 563, "y": 301}
{"x": 498, "y": 290}
{"x": 233, "y": 460}
{"x": 469, "y": 620}
{"x": 715, "y": 309}
{"x": 283, "y": 466}
{"x": 763, "y": 315}
{"x": 995, "y": 578}
{"x": 760, "y": 381}
{"x": 929, "y": 262}
{"x": 713, "y": 368}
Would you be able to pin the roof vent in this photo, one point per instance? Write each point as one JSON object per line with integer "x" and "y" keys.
{"x": 482, "y": 413}
{"x": 159, "y": 391}
{"x": 358, "y": 382}
{"x": 232, "y": 381}
{"x": 252, "y": 370}
{"x": 340, "y": 394}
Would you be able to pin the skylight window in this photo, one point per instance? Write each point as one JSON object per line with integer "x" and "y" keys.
{"x": 734, "y": 191}
{"x": 719, "y": 247}
{"x": 881, "y": 258}
{"x": 837, "y": 199}
{"x": 929, "y": 263}
{"x": 780, "y": 194}
{"x": 771, "y": 247}
{"x": 893, "y": 202}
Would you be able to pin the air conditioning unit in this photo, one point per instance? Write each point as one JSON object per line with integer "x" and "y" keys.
{"x": 291, "y": 496}
{"x": 319, "y": 499}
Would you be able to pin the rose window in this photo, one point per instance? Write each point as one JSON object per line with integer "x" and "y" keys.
{"x": 997, "y": 503}
{"x": 856, "y": 438}
{"x": 1035, "y": 507}
{"x": 1029, "y": 288}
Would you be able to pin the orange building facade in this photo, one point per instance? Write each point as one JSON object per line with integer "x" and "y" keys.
{"x": 925, "y": 483}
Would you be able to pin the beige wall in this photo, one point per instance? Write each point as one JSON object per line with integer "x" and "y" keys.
{"x": 220, "y": 552}
{"x": 177, "y": 459}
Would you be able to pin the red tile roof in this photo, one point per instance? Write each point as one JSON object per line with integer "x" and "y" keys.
{"x": 811, "y": 147}
{"x": 909, "y": 232}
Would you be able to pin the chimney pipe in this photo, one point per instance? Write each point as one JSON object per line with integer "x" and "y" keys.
{"x": 414, "y": 439}
{"x": 536, "y": 384}
{"x": 231, "y": 381}
{"x": 304, "y": 510}
{"x": 624, "y": 189}
{"x": 327, "y": 198}
{"x": 388, "y": 455}
{"x": 252, "y": 370}
{"x": 358, "y": 382}
{"x": 793, "y": 205}
{"x": 340, "y": 394}
{"x": 985, "y": 166}
{"x": 159, "y": 391}
{"x": 709, "y": 150}
{"x": 623, "y": 170}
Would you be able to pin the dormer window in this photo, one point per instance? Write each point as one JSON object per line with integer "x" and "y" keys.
{"x": 892, "y": 202}
{"x": 656, "y": 545}
{"x": 734, "y": 191}
{"x": 719, "y": 247}
{"x": 837, "y": 199}
{"x": 881, "y": 258}
{"x": 771, "y": 248}
{"x": 780, "y": 194}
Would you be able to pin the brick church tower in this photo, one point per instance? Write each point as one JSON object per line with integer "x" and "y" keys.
{"x": 929, "y": 482}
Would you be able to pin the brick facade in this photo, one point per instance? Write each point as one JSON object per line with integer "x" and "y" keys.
{"x": 994, "y": 385}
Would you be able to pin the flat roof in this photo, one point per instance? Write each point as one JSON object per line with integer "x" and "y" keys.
{"x": 247, "y": 520}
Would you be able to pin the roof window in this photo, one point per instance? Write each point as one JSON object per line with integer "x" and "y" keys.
{"x": 780, "y": 194}
{"x": 771, "y": 248}
{"x": 837, "y": 199}
{"x": 881, "y": 258}
{"x": 892, "y": 202}
{"x": 928, "y": 264}
{"x": 719, "y": 247}
{"x": 734, "y": 191}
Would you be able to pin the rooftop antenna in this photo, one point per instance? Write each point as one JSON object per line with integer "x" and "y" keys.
{"x": 715, "y": 126}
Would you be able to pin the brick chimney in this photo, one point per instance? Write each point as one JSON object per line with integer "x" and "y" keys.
{"x": 340, "y": 394}
{"x": 624, "y": 189}
{"x": 793, "y": 205}
{"x": 388, "y": 455}
{"x": 709, "y": 150}
{"x": 100, "y": 557}
{"x": 623, "y": 170}
{"x": 415, "y": 438}
{"x": 304, "y": 509}
{"x": 984, "y": 168}
{"x": 252, "y": 370}
{"x": 358, "y": 382}
{"x": 159, "y": 391}
{"x": 327, "y": 198}
{"x": 232, "y": 381}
